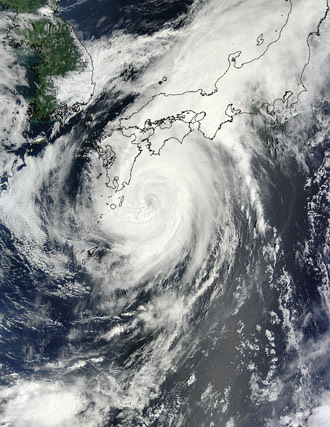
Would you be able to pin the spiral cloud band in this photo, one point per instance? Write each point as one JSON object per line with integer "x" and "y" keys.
{"x": 161, "y": 250}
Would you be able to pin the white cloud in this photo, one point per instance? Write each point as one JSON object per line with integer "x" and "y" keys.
{"x": 41, "y": 404}
{"x": 321, "y": 414}
{"x": 176, "y": 205}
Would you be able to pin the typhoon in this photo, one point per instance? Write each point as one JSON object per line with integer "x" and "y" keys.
{"x": 164, "y": 213}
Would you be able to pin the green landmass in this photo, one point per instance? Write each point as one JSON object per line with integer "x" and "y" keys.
{"x": 255, "y": 109}
{"x": 26, "y": 6}
{"x": 58, "y": 54}
{"x": 51, "y": 42}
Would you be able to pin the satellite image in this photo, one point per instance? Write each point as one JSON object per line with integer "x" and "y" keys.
{"x": 164, "y": 213}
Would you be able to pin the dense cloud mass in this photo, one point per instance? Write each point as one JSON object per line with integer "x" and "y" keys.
{"x": 165, "y": 249}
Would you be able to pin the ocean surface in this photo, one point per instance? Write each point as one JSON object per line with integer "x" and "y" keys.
{"x": 165, "y": 249}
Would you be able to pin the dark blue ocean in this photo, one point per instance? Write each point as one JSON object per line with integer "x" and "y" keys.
{"x": 251, "y": 341}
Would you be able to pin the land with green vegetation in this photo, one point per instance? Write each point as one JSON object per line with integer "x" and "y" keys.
{"x": 52, "y": 42}
{"x": 29, "y": 6}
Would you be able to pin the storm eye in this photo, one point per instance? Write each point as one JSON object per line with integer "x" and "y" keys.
{"x": 150, "y": 201}
{"x": 163, "y": 213}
